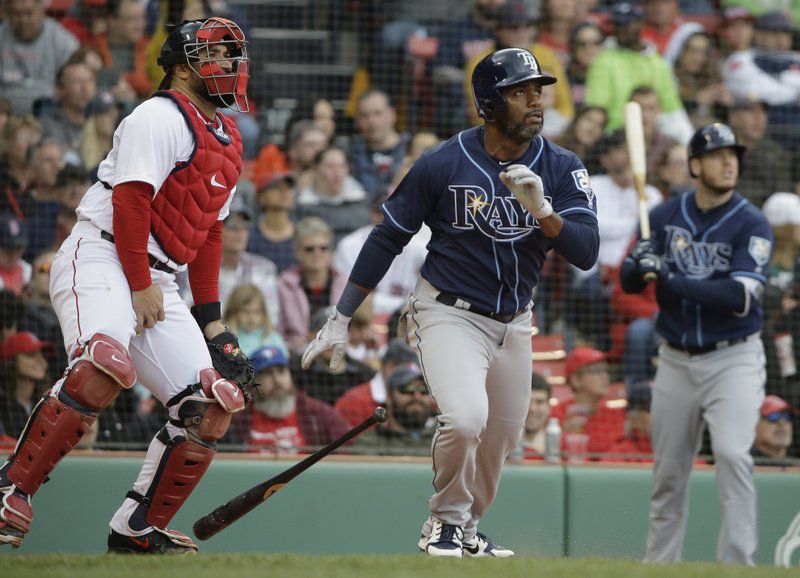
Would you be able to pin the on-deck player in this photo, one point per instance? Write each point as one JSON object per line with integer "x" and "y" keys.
{"x": 164, "y": 189}
{"x": 710, "y": 250}
{"x": 496, "y": 199}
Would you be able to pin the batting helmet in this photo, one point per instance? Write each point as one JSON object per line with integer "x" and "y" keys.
{"x": 712, "y": 137}
{"x": 189, "y": 43}
{"x": 499, "y": 69}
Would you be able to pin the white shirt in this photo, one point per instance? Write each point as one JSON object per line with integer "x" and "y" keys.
{"x": 618, "y": 216}
{"x": 745, "y": 79}
{"x": 392, "y": 292}
{"x": 146, "y": 146}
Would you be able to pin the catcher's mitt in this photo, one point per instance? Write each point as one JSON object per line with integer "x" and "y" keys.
{"x": 232, "y": 363}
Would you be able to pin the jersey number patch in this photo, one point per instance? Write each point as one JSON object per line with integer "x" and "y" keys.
{"x": 581, "y": 178}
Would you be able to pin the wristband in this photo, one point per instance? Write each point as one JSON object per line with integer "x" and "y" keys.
{"x": 544, "y": 210}
{"x": 206, "y": 313}
{"x": 352, "y": 297}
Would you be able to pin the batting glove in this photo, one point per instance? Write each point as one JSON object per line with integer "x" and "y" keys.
{"x": 527, "y": 188}
{"x": 642, "y": 247}
{"x": 333, "y": 335}
{"x": 650, "y": 263}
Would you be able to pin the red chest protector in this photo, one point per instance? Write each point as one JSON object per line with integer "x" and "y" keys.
{"x": 188, "y": 203}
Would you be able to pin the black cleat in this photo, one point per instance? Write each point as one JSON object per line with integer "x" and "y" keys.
{"x": 157, "y": 541}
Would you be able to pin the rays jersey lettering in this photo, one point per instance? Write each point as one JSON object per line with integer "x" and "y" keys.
{"x": 502, "y": 218}
{"x": 696, "y": 259}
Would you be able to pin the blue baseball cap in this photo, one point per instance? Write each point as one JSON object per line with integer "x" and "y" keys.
{"x": 267, "y": 357}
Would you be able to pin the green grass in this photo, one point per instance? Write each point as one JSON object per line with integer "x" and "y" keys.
{"x": 278, "y": 566}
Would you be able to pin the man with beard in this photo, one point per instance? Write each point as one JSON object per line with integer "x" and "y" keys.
{"x": 283, "y": 419}
{"x": 157, "y": 209}
{"x": 496, "y": 198}
{"x": 708, "y": 255}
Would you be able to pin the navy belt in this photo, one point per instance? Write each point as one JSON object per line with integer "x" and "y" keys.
{"x": 694, "y": 350}
{"x": 154, "y": 263}
{"x": 452, "y": 300}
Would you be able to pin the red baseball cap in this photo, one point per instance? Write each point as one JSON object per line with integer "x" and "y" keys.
{"x": 22, "y": 342}
{"x": 773, "y": 403}
{"x": 580, "y": 357}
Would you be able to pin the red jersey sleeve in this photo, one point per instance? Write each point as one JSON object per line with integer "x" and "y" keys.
{"x": 204, "y": 270}
{"x": 131, "y": 202}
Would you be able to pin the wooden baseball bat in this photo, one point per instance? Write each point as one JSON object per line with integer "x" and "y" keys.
{"x": 634, "y": 135}
{"x": 235, "y": 508}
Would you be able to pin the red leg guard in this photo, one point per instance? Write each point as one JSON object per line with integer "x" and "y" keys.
{"x": 53, "y": 430}
{"x": 180, "y": 474}
{"x": 16, "y": 511}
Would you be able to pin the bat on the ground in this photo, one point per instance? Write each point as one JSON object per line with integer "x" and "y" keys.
{"x": 233, "y": 509}
{"x": 634, "y": 135}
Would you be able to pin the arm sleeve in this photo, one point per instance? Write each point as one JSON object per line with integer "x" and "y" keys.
{"x": 578, "y": 242}
{"x": 131, "y": 201}
{"x": 204, "y": 270}
{"x": 725, "y": 294}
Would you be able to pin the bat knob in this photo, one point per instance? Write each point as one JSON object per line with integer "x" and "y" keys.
{"x": 380, "y": 414}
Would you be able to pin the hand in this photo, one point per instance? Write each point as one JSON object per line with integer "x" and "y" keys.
{"x": 332, "y": 335}
{"x": 642, "y": 247}
{"x": 148, "y": 304}
{"x": 652, "y": 267}
{"x": 527, "y": 188}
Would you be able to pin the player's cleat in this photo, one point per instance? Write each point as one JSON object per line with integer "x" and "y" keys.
{"x": 157, "y": 541}
{"x": 10, "y": 535}
{"x": 444, "y": 540}
{"x": 482, "y": 547}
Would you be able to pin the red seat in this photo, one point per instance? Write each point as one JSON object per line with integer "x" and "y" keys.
{"x": 548, "y": 356}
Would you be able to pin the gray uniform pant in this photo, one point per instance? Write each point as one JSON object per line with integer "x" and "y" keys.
{"x": 478, "y": 371}
{"x": 724, "y": 389}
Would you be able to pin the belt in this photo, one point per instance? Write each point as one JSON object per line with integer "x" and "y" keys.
{"x": 453, "y": 301}
{"x": 154, "y": 263}
{"x": 694, "y": 350}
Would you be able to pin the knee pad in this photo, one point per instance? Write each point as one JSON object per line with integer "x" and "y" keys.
{"x": 205, "y": 408}
{"x": 95, "y": 377}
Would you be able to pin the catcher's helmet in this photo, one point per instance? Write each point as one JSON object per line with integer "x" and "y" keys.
{"x": 499, "y": 69}
{"x": 712, "y": 137}
{"x": 189, "y": 43}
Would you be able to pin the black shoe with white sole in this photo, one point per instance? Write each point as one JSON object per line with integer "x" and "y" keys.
{"x": 157, "y": 541}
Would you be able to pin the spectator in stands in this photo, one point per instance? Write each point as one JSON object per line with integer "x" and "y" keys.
{"x": 515, "y": 26}
{"x": 588, "y": 413}
{"x": 377, "y": 152}
{"x": 320, "y": 381}
{"x": 20, "y": 134}
{"x": 33, "y": 48}
{"x": 671, "y": 175}
{"x": 774, "y": 431}
{"x": 558, "y": 19}
{"x": 768, "y": 166}
{"x": 86, "y": 19}
{"x": 585, "y": 44}
{"x": 312, "y": 285}
{"x": 410, "y": 422}
{"x": 72, "y": 182}
{"x": 617, "y": 71}
{"x": 583, "y": 135}
{"x": 75, "y": 89}
{"x": 420, "y": 143}
{"x": 655, "y": 140}
{"x": 533, "y": 441}
{"x": 117, "y": 86}
{"x": 14, "y": 272}
{"x": 334, "y": 195}
{"x": 362, "y": 344}
{"x": 282, "y": 419}
{"x": 272, "y": 234}
{"x": 357, "y": 403}
{"x": 41, "y": 202}
{"x": 124, "y": 47}
{"x": 246, "y": 314}
{"x": 23, "y": 370}
{"x": 392, "y": 292}
{"x": 239, "y": 267}
{"x": 304, "y": 141}
{"x": 700, "y": 85}
{"x": 736, "y": 31}
{"x": 635, "y": 445}
{"x": 663, "y": 22}
{"x": 5, "y": 115}
{"x": 12, "y": 308}
{"x": 318, "y": 110}
{"x": 461, "y": 40}
{"x": 38, "y": 316}
{"x": 102, "y": 118}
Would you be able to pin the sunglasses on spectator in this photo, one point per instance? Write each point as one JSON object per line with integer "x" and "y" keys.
{"x": 411, "y": 388}
{"x": 587, "y": 43}
{"x": 778, "y": 416}
{"x": 313, "y": 248}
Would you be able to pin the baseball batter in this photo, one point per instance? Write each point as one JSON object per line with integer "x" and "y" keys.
{"x": 496, "y": 199}
{"x": 163, "y": 190}
{"x": 709, "y": 251}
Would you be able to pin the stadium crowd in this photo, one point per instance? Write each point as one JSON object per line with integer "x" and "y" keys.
{"x": 314, "y": 181}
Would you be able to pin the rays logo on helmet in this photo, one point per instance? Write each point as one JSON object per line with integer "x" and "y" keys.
{"x": 528, "y": 60}
{"x": 581, "y": 178}
{"x": 759, "y": 250}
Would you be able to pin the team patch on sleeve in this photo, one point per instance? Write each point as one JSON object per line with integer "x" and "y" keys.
{"x": 581, "y": 178}
{"x": 759, "y": 250}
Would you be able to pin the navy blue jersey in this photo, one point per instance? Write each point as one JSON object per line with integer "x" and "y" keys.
{"x": 485, "y": 247}
{"x": 732, "y": 241}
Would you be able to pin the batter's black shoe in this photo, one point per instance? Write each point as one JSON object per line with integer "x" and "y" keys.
{"x": 444, "y": 540}
{"x": 482, "y": 547}
{"x": 156, "y": 541}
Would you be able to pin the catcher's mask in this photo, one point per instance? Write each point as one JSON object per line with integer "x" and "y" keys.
{"x": 190, "y": 43}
